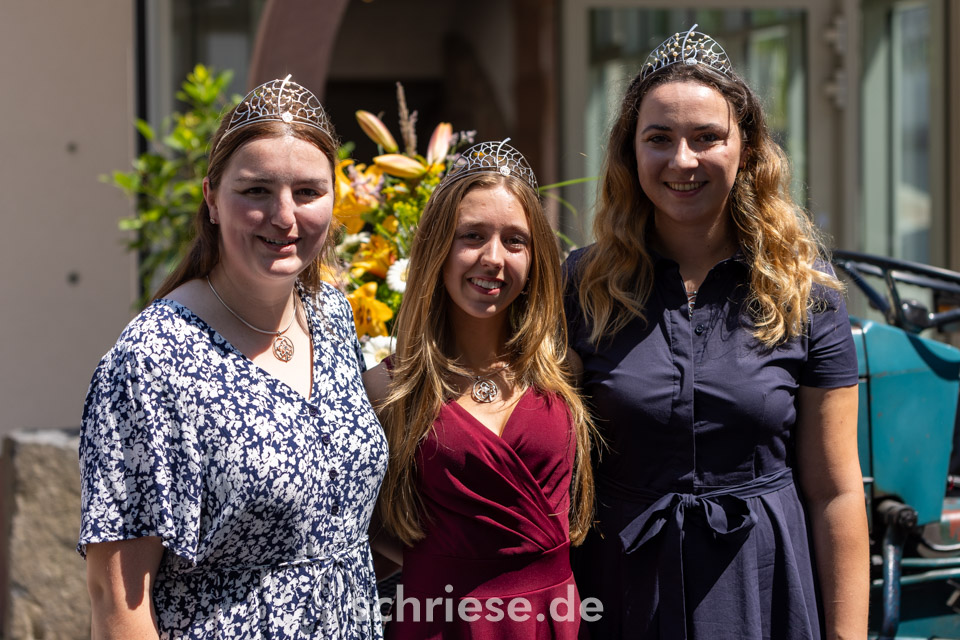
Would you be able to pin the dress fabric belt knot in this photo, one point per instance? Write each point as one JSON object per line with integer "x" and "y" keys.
{"x": 337, "y": 593}
{"x": 724, "y": 513}
{"x": 332, "y": 588}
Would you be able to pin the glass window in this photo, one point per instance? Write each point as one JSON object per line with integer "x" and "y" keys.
{"x": 183, "y": 33}
{"x": 765, "y": 46}
{"x": 902, "y": 215}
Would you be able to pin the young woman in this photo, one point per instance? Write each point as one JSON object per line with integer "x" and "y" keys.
{"x": 230, "y": 458}
{"x": 719, "y": 361}
{"x": 489, "y": 476}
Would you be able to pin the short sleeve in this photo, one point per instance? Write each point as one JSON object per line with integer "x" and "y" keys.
{"x": 139, "y": 465}
{"x": 831, "y": 353}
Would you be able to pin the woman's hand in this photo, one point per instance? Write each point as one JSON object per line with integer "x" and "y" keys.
{"x": 120, "y": 579}
{"x": 832, "y": 484}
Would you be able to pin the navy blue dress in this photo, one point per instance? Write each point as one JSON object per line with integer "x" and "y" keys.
{"x": 701, "y": 532}
{"x": 260, "y": 496}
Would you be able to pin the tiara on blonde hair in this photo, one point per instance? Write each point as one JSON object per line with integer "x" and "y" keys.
{"x": 279, "y": 101}
{"x": 691, "y": 48}
{"x": 495, "y": 157}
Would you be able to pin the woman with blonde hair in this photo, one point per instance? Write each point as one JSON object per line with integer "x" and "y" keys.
{"x": 489, "y": 477}
{"x": 719, "y": 361}
{"x": 230, "y": 459}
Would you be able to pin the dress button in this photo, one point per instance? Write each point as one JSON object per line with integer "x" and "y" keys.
{"x": 335, "y": 509}
{"x": 699, "y": 329}
{"x": 313, "y": 410}
{"x": 325, "y": 438}
{"x": 333, "y": 474}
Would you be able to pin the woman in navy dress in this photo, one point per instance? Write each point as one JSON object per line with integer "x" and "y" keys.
{"x": 230, "y": 458}
{"x": 489, "y": 476}
{"x": 720, "y": 367}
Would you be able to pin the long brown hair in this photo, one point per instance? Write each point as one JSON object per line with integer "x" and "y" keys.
{"x": 774, "y": 233}
{"x": 204, "y": 251}
{"x": 536, "y": 351}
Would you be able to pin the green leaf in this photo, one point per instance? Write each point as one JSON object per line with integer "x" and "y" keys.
{"x": 129, "y": 182}
{"x": 167, "y": 180}
{"x": 569, "y": 207}
{"x": 567, "y": 183}
{"x": 145, "y": 130}
{"x": 346, "y": 151}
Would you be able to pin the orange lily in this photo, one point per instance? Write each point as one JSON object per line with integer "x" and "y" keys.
{"x": 369, "y": 314}
{"x": 439, "y": 143}
{"x": 334, "y": 276}
{"x": 390, "y": 224}
{"x": 400, "y": 166}
{"x": 355, "y": 197}
{"x": 373, "y": 257}
{"x": 376, "y": 130}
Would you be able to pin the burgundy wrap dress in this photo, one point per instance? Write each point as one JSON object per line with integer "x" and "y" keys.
{"x": 494, "y": 562}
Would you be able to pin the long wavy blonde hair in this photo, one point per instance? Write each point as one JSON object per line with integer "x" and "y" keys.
{"x": 780, "y": 243}
{"x": 424, "y": 358}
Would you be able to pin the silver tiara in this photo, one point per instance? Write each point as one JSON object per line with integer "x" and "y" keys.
{"x": 280, "y": 101}
{"x": 498, "y": 157}
{"x": 691, "y": 47}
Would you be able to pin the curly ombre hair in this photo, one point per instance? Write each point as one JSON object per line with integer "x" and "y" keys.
{"x": 536, "y": 352}
{"x": 779, "y": 242}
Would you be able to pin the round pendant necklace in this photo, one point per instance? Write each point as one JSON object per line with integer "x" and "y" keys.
{"x": 484, "y": 389}
{"x": 282, "y": 345}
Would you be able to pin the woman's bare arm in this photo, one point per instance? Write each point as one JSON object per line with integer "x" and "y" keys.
{"x": 120, "y": 578}
{"x": 830, "y": 477}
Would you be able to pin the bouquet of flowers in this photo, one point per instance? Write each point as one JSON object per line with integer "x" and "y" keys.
{"x": 379, "y": 205}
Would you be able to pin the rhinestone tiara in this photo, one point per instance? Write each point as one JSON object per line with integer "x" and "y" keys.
{"x": 280, "y": 101}
{"x": 691, "y": 47}
{"x": 497, "y": 157}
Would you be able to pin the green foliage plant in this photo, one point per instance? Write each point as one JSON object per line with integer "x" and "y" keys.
{"x": 166, "y": 182}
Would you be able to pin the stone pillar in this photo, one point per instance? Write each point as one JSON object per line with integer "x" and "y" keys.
{"x": 43, "y": 591}
{"x": 535, "y": 91}
{"x": 297, "y": 37}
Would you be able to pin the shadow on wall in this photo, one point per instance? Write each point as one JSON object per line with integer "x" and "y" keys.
{"x": 43, "y": 591}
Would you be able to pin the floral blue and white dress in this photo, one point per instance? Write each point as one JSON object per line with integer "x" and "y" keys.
{"x": 260, "y": 496}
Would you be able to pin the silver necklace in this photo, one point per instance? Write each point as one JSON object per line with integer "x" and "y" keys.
{"x": 485, "y": 390}
{"x": 282, "y": 345}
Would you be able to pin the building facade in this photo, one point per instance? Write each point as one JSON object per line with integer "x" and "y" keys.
{"x": 859, "y": 93}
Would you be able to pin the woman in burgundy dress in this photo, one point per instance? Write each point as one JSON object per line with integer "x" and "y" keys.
{"x": 489, "y": 478}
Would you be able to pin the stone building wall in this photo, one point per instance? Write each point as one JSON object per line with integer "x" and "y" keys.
{"x": 43, "y": 593}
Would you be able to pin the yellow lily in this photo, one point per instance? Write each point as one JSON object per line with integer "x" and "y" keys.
{"x": 334, "y": 276}
{"x": 376, "y": 130}
{"x": 369, "y": 314}
{"x": 439, "y": 143}
{"x": 390, "y": 224}
{"x": 373, "y": 257}
{"x": 355, "y": 197}
{"x": 400, "y": 166}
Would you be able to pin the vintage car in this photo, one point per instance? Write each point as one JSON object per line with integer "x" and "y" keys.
{"x": 907, "y": 434}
